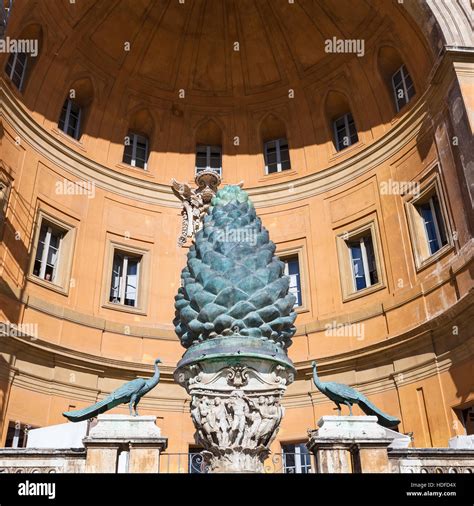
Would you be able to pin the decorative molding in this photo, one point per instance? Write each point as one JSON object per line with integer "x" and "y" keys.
{"x": 41, "y": 140}
{"x": 457, "y": 263}
{"x": 369, "y": 357}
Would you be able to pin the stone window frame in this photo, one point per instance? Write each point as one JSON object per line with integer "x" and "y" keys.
{"x": 5, "y": 192}
{"x": 300, "y": 252}
{"x": 277, "y": 142}
{"x": 65, "y": 257}
{"x": 65, "y": 117}
{"x": 345, "y": 261}
{"x": 211, "y": 150}
{"x": 296, "y": 442}
{"x": 13, "y": 62}
{"x": 135, "y": 137}
{"x": 143, "y": 276}
{"x": 345, "y": 117}
{"x": 404, "y": 74}
{"x": 431, "y": 185}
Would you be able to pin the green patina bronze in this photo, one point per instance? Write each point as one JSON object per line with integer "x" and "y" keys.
{"x": 130, "y": 392}
{"x": 234, "y": 298}
{"x": 343, "y": 394}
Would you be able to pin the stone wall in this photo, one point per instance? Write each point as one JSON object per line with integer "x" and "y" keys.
{"x": 431, "y": 460}
{"x": 401, "y": 460}
{"x": 34, "y": 460}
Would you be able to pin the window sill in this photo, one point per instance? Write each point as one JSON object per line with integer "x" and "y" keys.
{"x": 144, "y": 172}
{"x": 362, "y": 293}
{"x": 48, "y": 284}
{"x": 336, "y": 155}
{"x": 277, "y": 175}
{"x": 13, "y": 88}
{"x": 404, "y": 110}
{"x": 124, "y": 309}
{"x": 435, "y": 257}
{"x": 77, "y": 143}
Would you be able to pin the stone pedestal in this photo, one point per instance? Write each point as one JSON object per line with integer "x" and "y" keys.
{"x": 236, "y": 409}
{"x": 124, "y": 444}
{"x": 351, "y": 444}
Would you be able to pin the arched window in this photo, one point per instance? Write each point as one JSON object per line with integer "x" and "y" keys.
{"x": 136, "y": 143}
{"x": 396, "y": 76}
{"x": 341, "y": 120}
{"x": 75, "y": 108}
{"x": 21, "y": 62}
{"x": 275, "y": 145}
{"x": 209, "y": 147}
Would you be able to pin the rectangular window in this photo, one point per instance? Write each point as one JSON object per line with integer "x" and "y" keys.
{"x": 16, "y": 68}
{"x": 296, "y": 458}
{"x": 345, "y": 133}
{"x": 48, "y": 251}
{"x": 70, "y": 119}
{"x": 277, "y": 156}
{"x": 360, "y": 261}
{"x": 430, "y": 213}
{"x": 136, "y": 150}
{"x": 428, "y": 224}
{"x": 364, "y": 268}
{"x": 4, "y": 195}
{"x": 52, "y": 252}
{"x": 208, "y": 157}
{"x": 17, "y": 435}
{"x": 403, "y": 87}
{"x": 292, "y": 269}
{"x": 125, "y": 279}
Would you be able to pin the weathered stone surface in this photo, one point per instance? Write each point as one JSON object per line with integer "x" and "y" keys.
{"x": 124, "y": 427}
{"x": 136, "y": 436}
{"x": 345, "y": 444}
{"x": 33, "y": 460}
{"x": 431, "y": 460}
{"x": 236, "y": 409}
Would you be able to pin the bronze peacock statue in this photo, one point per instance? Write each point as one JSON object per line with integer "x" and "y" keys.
{"x": 343, "y": 394}
{"x": 131, "y": 392}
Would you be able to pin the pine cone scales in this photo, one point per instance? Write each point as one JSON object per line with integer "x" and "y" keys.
{"x": 233, "y": 283}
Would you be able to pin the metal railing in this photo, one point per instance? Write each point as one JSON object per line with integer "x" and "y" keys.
{"x": 194, "y": 463}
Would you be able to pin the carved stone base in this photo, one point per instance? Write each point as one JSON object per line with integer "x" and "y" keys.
{"x": 236, "y": 410}
{"x": 236, "y": 460}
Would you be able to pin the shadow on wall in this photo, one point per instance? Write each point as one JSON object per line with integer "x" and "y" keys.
{"x": 5, "y": 383}
{"x": 14, "y": 237}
